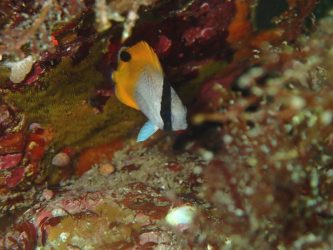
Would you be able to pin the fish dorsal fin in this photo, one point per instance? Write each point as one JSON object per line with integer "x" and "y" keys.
{"x": 147, "y": 130}
{"x": 143, "y": 52}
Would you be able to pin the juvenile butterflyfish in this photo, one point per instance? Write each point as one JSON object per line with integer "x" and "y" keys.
{"x": 140, "y": 84}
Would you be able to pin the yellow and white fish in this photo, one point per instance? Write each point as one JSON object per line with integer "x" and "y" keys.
{"x": 140, "y": 84}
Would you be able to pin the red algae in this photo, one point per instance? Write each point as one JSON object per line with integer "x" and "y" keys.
{"x": 97, "y": 155}
{"x": 12, "y": 142}
{"x": 10, "y": 160}
{"x": 16, "y": 177}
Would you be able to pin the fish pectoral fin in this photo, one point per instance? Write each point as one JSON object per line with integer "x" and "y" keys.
{"x": 147, "y": 130}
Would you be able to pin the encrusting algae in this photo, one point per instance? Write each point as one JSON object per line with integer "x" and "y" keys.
{"x": 107, "y": 226}
{"x": 62, "y": 102}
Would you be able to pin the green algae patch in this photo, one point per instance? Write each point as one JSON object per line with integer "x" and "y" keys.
{"x": 104, "y": 228}
{"x": 4, "y": 74}
{"x": 63, "y": 105}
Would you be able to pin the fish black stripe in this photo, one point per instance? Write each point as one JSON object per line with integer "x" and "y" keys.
{"x": 166, "y": 106}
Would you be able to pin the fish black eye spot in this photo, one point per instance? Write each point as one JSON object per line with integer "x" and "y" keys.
{"x": 125, "y": 56}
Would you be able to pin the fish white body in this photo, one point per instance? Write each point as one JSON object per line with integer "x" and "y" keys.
{"x": 149, "y": 95}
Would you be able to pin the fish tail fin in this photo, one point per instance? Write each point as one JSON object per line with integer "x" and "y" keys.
{"x": 147, "y": 130}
